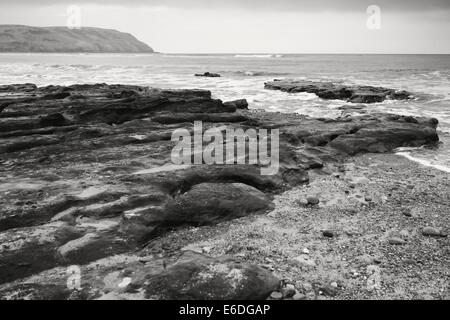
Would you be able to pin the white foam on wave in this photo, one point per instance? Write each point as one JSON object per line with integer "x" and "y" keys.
{"x": 424, "y": 162}
{"x": 258, "y": 56}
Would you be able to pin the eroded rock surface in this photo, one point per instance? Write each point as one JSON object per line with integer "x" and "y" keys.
{"x": 86, "y": 174}
{"x": 189, "y": 276}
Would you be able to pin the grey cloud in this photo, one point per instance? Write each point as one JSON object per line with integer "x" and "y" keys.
{"x": 258, "y": 5}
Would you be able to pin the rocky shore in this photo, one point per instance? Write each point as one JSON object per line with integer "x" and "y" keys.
{"x": 87, "y": 180}
{"x": 329, "y": 90}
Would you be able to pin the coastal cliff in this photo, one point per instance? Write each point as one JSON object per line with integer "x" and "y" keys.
{"x": 18, "y": 38}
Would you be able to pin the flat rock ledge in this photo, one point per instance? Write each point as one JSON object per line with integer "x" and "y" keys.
{"x": 87, "y": 180}
{"x": 331, "y": 91}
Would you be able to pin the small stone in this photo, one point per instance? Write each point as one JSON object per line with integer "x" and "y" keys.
{"x": 276, "y": 295}
{"x": 409, "y": 261}
{"x": 328, "y": 233}
{"x": 334, "y": 284}
{"x": 304, "y": 260}
{"x": 377, "y": 260}
{"x": 404, "y": 233}
{"x": 396, "y": 241}
{"x": 431, "y": 232}
{"x": 312, "y": 200}
{"x": 407, "y": 213}
{"x": 299, "y": 296}
{"x": 302, "y": 202}
{"x": 328, "y": 290}
{"x": 305, "y": 251}
{"x": 288, "y": 290}
{"x": 206, "y": 249}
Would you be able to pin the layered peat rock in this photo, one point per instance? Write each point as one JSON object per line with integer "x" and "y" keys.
{"x": 329, "y": 90}
{"x": 86, "y": 174}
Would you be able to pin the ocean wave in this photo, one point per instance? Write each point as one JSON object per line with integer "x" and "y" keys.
{"x": 258, "y": 56}
{"x": 424, "y": 162}
{"x": 258, "y": 73}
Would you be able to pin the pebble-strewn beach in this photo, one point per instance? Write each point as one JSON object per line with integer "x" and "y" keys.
{"x": 363, "y": 241}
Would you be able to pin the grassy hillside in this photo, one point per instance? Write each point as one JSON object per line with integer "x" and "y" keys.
{"x": 17, "y": 38}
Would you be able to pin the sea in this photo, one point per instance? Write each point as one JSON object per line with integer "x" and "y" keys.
{"x": 243, "y": 76}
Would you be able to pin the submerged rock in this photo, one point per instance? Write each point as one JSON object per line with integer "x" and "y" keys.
{"x": 208, "y": 75}
{"x": 329, "y": 90}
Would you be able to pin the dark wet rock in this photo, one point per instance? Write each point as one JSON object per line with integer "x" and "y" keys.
{"x": 386, "y": 135}
{"x": 208, "y": 75}
{"x": 238, "y": 104}
{"x": 89, "y": 176}
{"x": 53, "y": 120}
{"x": 352, "y": 107}
{"x": 328, "y": 233}
{"x": 56, "y": 95}
{"x": 28, "y": 142}
{"x": 329, "y": 90}
{"x": 191, "y": 117}
{"x": 206, "y": 203}
{"x": 22, "y": 87}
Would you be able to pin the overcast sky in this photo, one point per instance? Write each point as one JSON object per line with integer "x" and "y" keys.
{"x": 255, "y": 26}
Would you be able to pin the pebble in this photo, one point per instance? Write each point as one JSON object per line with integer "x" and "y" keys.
{"x": 305, "y": 251}
{"x": 432, "y": 232}
{"x": 404, "y": 233}
{"x": 396, "y": 241}
{"x": 288, "y": 290}
{"x": 407, "y": 213}
{"x": 206, "y": 249}
{"x": 304, "y": 260}
{"x": 313, "y": 200}
{"x": 276, "y": 295}
{"x": 330, "y": 291}
{"x": 328, "y": 233}
{"x": 299, "y": 296}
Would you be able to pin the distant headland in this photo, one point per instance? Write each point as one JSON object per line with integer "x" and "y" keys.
{"x": 19, "y": 38}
